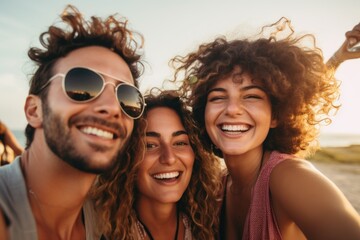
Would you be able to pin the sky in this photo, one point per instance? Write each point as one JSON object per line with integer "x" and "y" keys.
{"x": 175, "y": 27}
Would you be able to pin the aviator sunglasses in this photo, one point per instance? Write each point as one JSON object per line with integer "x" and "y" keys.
{"x": 83, "y": 85}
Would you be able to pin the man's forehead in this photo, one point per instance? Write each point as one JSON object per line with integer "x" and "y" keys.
{"x": 99, "y": 58}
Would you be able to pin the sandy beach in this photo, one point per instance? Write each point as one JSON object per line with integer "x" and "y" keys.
{"x": 346, "y": 176}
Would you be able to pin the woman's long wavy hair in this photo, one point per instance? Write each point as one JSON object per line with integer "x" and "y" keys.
{"x": 302, "y": 90}
{"x": 200, "y": 200}
{"x": 113, "y": 192}
{"x": 74, "y": 32}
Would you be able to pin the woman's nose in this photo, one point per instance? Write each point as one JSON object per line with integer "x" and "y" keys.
{"x": 167, "y": 155}
{"x": 234, "y": 107}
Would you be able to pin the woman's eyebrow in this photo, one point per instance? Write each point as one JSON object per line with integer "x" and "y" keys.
{"x": 252, "y": 87}
{"x": 178, "y": 133}
{"x": 219, "y": 89}
{"x": 152, "y": 134}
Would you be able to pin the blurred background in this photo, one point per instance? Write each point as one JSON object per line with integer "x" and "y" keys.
{"x": 175, "y": 27}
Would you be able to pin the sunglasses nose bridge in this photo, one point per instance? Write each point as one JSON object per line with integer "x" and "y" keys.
{"x": 111, "y": 83}
{"x": 109, "y": 103}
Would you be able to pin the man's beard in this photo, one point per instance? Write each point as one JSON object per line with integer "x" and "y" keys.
{"x": 58, "y": 138}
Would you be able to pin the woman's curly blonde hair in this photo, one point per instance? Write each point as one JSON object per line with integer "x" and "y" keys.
{"x": 302, "y": 89}
{"x": 200, "y": 200}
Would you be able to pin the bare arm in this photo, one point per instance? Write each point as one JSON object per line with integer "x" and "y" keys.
{"x": 3, "y": 228}
{"x": 12, "y": 142}
{"x": 343, "y": 54}
{"x": 311, "y": 201}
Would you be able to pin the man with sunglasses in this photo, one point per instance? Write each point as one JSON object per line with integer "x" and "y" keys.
{"x": 81, "y": 111}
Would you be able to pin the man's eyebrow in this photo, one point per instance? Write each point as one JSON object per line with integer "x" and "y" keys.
{"x": 158, "y": 135}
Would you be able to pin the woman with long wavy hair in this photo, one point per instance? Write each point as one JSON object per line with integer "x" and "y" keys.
{"x": 171, "y": 187}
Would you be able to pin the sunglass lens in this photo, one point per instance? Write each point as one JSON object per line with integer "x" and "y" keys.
{"x": 131, "y": 100}
{"x": 81, "y": 84}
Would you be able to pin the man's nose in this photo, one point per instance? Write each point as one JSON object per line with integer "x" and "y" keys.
{"x": 107, "y": 103}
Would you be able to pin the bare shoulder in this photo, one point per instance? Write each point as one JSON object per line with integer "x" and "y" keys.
{"x": 306, "y": 197}
{"x": 293, "y": 164}
{"x": 294, "y": 175}
{"x": 298, "y": 180}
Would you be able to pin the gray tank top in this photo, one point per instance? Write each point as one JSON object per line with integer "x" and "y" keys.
{"x": 15, "y": 206}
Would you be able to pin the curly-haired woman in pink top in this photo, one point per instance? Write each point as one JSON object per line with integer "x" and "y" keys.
{"x": 259, "y": 104}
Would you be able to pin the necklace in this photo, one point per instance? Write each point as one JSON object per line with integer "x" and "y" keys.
{"x": 42, "y": 223}
{"x": 143, "y": 229}
{"x": 41, "y": 220}
{"x": 38, "y": 204}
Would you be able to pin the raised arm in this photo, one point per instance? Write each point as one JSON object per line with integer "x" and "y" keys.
{"x": 347, "y": 50}
{"x": 12, "y": 142}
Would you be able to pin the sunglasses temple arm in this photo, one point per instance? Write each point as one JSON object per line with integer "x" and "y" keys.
{"x": 48, "y": 82}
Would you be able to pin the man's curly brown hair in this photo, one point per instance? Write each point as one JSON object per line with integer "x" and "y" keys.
{"x": 199, "y": 202}
{"x": 302, "y": 90}
{"x": 75, "y": 33}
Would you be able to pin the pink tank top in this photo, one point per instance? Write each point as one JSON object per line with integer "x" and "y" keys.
{"x": 260, "y": 221}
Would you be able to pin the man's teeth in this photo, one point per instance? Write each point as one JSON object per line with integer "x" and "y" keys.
{"x": 235, "y": 128}
{"x": 97, "y": 132}
{"x": 166, "y": 175}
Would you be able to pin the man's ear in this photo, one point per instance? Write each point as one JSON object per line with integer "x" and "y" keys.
{"x": 33, "y": 111}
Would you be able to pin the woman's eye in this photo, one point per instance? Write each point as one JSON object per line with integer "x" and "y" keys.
{"x": 216, "y": 98}
{"x": 182, "y": 143}
{"x": 253, "y": 96}
{"x": 150, "y": 145}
